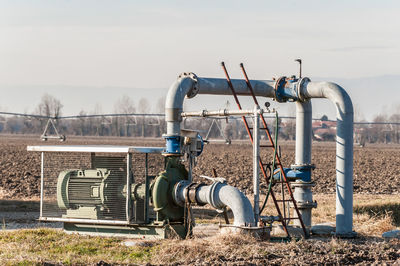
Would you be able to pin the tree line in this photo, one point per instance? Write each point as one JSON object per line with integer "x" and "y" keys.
{"x": 153, "y": 126}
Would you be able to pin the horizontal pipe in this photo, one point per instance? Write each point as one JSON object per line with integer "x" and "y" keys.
{"x": 218, "y": 86}
{"x": 223, "y": 112}
{"x": 189, "y": 85}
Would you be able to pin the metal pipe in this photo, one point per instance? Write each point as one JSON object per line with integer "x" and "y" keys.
{"x": 303, "y": 132}
{"x": 174, "y": 102}
{"x": 256, "y": 158}
{"x": 223, "y": 112}
{"x": 217, "y": 86}
{"x": 302, "y": 192}
{"x": 188, "y": 84}
{"x": 219, "y": 195}
{"x": 344, "y": 149}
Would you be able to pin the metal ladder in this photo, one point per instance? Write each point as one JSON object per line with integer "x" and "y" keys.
{"x": 284, "y": 182}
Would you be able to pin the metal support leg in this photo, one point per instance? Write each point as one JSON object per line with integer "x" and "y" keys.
{"x": 256, "y": 169}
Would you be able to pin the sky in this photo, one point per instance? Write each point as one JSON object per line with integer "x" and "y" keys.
{"x": 91, "y": 52}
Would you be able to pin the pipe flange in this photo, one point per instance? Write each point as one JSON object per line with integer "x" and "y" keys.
{"x": 191, "y": 193}
{"x": 302, "y": 166}
{"x": 305, "y": 204}
{"x": 302, "y": 184}
{"x": 176, "y": 195}
{"x": 300, "y": 84}
{"x": 213, "y": 202}
{"x": 279, "y": 84}
{"x": 195, "y": 88}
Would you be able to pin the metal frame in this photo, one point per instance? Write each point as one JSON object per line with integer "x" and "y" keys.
{"x": 128, "y": 187}
{"x": 50, "y": 122}
{"x": 96, "y": 149}
{"x": 83, "y": 221}
{"x": 41, "y": 182}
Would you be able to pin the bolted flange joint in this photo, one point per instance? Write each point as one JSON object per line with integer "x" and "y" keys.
{"x": 195, "y": 89}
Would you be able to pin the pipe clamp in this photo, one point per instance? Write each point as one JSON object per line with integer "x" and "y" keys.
{"x": 300, "y": 84}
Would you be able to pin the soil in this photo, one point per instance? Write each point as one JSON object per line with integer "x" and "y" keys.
{"x": 375, "y": 166}
{"x": 375, "y": 172}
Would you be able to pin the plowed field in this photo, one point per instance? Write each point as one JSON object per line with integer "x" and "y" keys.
{"x": 376, "y": 168}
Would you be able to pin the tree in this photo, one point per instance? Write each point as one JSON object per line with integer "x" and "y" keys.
{"x": 49, "y": 106}
{"x": 124, "y": 105}
{"x": 144, "y": 108}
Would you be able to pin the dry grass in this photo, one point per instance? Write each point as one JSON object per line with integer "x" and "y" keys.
{"x": 374, "y": 214}
{"x": 27, "y": 247}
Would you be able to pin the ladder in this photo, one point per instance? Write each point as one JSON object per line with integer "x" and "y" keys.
{"x": 283, "y": 181}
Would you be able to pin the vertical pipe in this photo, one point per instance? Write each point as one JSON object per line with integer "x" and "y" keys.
{"x": 256, "y": 169}
{"x": 41, "y": 182}
{"x": 302, "y": 192}
{"x": 344, "y": 174}
{"x": 344, "y": 149}
{"x": 303, "y": 132}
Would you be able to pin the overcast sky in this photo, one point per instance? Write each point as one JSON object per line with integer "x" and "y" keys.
{"x": 146, "y": 44}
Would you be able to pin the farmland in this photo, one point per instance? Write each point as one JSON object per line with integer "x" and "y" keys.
{"x": 376, "y": 200}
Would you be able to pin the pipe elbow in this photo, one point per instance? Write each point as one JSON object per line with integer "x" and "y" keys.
{"x": 339, "y": 96}
{"x": 185, "y": 85}
{"x": 220, "y": 195}
{"x": 331, "y": 91}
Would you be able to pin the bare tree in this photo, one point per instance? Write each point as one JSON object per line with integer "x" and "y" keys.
{"x": 49, "y": 106}
{"x": 160, "y": 106}
{"x": 124, "y": 105}
{"x": 144, "y": 108}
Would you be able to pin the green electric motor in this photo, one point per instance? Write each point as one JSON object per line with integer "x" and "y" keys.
{"x": 83, "y": 193}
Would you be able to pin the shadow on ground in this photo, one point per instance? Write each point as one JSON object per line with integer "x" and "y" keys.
{"x": 380, "y": 210}
{"x": 19, "y": 205}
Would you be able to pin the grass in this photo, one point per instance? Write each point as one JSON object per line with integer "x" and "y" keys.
{"x": 51, "y": 245}
{"x": 373, "y": 215}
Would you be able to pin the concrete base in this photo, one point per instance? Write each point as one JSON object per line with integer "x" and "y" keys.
{"x": 325, "y": 229}
{"x": 346, "y": 235}
{"x": 262, "y": 233}
{"x": 392, "y": 234}
{"x": 149, "y": 232}
{"x": 294, "y": 231}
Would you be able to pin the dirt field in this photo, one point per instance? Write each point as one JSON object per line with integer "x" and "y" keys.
{"x": 376, "y": 168}
{"x": 377, "y": 209}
